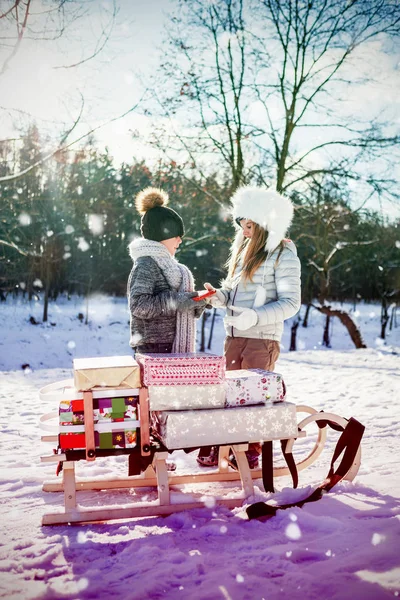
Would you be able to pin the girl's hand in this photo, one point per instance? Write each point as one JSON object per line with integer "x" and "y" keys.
{"x": 218, "y": 300}
{"x": 246, "y": 318}
{"x": 209, "y": 287}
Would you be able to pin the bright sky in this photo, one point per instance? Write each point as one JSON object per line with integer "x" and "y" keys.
{"x": 115, "y": 80}
{"x": 109, "y": 83}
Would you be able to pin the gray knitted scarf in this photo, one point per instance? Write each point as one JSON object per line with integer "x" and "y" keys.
{"x": 180, "y": 279}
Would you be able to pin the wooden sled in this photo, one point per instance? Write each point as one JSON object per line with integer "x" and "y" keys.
{"x": 158, "y": 477}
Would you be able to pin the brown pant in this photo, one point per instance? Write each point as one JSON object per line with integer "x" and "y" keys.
{"x": 249, "y": 353}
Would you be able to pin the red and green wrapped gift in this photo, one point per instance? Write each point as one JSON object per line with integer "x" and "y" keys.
{"x": 115, "y": 423}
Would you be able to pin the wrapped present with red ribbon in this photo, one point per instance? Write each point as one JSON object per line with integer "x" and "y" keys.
{"x": 195, "y": 368}
{"x": 115, "y": 423}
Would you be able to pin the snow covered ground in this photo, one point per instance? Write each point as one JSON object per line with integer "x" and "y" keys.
{"x": 345, "y": 546}
{"x": 54, "y": 344}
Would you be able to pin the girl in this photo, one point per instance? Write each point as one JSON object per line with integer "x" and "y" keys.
{"x": 160, "y": 289}
{"x": 262, "y": 288}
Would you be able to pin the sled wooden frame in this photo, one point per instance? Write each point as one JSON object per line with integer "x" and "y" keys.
{"x": 157, "y": 475}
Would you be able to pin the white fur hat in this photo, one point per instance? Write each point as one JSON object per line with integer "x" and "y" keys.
{"x": 265, "y": 207}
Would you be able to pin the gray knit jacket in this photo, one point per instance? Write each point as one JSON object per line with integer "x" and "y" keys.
{"x": 153, "y": 304}
{"x": 274, "y": 293}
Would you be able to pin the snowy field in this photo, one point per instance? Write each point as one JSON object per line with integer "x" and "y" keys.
{"x": 345, "y": 546}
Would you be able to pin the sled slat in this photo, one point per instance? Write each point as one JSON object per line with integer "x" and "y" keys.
{"x": 144, "y": 421}
{"x": 49, "y": 438}
{"x": 69, "y": 485}
{"x": 53, "y": 458}
{"x": 130, "y": 512}
{"x": 89, "y": 426}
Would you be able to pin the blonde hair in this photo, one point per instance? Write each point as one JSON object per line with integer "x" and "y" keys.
{"x": 253, "y": 253}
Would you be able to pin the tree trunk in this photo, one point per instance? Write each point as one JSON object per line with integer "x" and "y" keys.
{"x": 384, "y": 318}
{"x": 211, "y": 328}
{"x": 393, "y": 317}
{"x": 46, "y": 290}
{"x": 203, "y": 332}
{"x": 293, "y": 334}
{"x": 88, "y": 290}
{"x": 305, "y": 321}
{"x": 347, "y": 321}
{"x": 325, "y": 338}
{"x": 46, "y": 304}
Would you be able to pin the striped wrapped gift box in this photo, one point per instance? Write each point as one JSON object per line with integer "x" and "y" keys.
{"x": 193, "y": 368}
{"x": 115, "y": 423}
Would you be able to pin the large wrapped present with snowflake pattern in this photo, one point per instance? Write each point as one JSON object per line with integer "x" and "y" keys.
{"x": 193, "y": 368}
{"x": 115, "y": 423}
{"x": 106, "y": 371}
{"x": 246, "y": 387}
{"x": 191, "y": 429}
{"x": 186, "y": 397}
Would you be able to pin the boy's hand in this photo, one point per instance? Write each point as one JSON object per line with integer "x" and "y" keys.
{"x": 187, "y": 302}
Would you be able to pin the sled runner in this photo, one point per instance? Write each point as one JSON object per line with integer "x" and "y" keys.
{"x": 105, "y": 421}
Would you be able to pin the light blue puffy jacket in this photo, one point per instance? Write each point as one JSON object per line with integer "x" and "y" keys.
{"x": 274, "y": 293}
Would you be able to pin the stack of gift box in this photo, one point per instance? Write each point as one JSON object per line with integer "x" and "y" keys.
{"x": 193, "y": 402}
{"x": 115, "y": 383}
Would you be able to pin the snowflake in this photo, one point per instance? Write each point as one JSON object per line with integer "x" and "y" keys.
{"x": 276, "y": 427}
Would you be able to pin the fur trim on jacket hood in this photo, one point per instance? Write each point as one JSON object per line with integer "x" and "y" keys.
{"x": 267, "y": 208}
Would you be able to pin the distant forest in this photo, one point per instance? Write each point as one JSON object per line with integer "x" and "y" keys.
{"x": 66, "y": 225}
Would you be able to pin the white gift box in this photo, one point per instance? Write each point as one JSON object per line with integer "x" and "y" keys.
{"x": 190, "y": 429}
{"x": 186, "y": 397}
{"x": 246, "y": 387}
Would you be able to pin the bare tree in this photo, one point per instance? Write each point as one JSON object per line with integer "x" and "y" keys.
{"x": 260, "y": 84}
{"x": 23, "y": 21}
{"x": 323, "y": 225}
{"x": 46, "y": 25}
{"x": 204, "y": 69}
{"x": 20, "y": 22}
{"x": 64, "y": 146}
{"x": 315, "y": 43}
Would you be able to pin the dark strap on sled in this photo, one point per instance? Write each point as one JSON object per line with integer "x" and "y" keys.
{"x": 267, "y": 467}
{"x": 348, "y": 443}
{"x": 288, "y": 456}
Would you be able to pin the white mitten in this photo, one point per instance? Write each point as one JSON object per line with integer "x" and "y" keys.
{"x": 246, "y": 318}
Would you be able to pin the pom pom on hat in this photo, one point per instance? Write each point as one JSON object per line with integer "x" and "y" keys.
{"x": 150, "y": 198}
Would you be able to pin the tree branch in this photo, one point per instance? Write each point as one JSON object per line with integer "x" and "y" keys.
{"x": 45, "y": 158}
{"x": 98, "y": 48}
{"x": 21, "y": 32}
